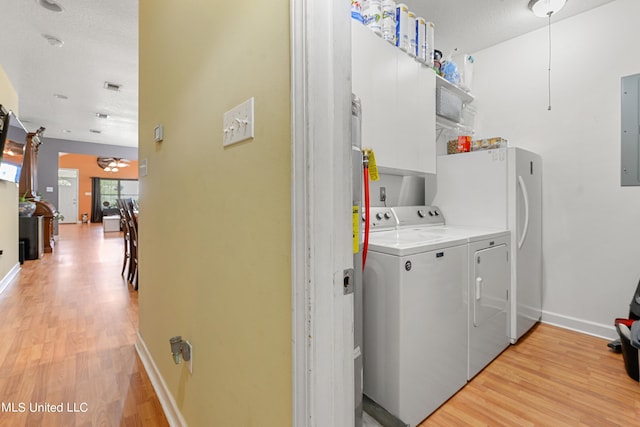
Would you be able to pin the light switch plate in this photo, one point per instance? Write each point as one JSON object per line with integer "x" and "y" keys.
{"x": 142, "y": 167}
{"x": 237, "y": 123}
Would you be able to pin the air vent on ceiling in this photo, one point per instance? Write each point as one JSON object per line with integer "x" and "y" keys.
{"x": 112, "y": 86}
{"x": 60, "y": 96}
{"x": 95, "y": 131}
{"x": 102, "y": 115}
{"x": 50, "y": 5}
{"x": 53, "y": 40}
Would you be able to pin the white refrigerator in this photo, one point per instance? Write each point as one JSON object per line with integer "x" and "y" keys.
{"x": 501, "y": 188}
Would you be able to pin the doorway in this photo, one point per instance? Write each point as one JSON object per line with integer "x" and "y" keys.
{"x": 68, "y": 195}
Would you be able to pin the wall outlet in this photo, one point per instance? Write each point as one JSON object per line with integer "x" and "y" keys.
{"x": 190, "y": 361}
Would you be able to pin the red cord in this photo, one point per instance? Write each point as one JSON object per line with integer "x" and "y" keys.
{"x": 366, "y": 215}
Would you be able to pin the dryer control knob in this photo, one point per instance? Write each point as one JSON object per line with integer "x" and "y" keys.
{"x": 379, "y": 215}
{"x": 430, "y": 213}
{"x": 421, "y": 213}
{"x": 387, "y": 215}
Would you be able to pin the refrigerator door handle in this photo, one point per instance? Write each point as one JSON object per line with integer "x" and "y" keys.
{"x": 525, "y": 195}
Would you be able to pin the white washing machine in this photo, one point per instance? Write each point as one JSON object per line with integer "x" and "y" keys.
{"x": 435, "y": 308}
{"x": 415, "y": 317}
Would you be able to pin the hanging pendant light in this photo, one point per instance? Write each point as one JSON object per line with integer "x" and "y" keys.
{"x": 546, "y": 8}
{"x": 542, "y": 8}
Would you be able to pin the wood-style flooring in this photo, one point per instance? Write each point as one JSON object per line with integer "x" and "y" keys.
{"x": 551, "y": 377}
{"x": 68, "y": 325}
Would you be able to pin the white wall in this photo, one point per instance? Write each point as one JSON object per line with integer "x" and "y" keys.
{"x": 591, "y": 224}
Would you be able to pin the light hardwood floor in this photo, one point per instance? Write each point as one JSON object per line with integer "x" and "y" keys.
{"x": 68, "y": 326}
{"x": 552, "y": 377}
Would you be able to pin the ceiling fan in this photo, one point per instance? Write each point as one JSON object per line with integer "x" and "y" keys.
{"x": 112, "y": 164}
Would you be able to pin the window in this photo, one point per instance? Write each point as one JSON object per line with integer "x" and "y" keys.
{"x": 112, "y": 189}
{"x": 105, "y": 192}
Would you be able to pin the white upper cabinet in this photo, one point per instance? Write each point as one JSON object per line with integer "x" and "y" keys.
{"x": 398, "y": 104}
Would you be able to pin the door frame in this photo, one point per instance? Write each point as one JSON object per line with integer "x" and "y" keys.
{"x": 322, "y": 317}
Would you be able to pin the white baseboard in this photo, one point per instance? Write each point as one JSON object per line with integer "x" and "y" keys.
{"x": 580, "y": 325}
{"x": 171, "y": 410}
{"x": 9, "y": 277}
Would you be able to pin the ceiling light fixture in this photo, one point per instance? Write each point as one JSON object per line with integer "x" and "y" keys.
{"x": 53, "y": 41}
{"x": 102, "y": 115}
{"x": 50, "y": 5}
{"x": 60, "y": 96}
{"x": 542, "y": 8}
{"x": 95, "y": 131}
{"x": 111, "y": 164}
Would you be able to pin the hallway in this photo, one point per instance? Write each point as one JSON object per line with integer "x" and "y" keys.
{"x": 68, "y": 324}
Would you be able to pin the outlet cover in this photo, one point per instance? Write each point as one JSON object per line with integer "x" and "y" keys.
{"x": 190, "y": 361}
{"x": 237, "y": 123}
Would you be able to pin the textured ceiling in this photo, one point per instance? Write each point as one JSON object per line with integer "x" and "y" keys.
{"x": 101, "y": 44}
{"x": 473, "y": 25}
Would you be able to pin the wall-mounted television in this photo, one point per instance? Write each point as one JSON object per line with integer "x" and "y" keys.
{"x": 13, "y": 139}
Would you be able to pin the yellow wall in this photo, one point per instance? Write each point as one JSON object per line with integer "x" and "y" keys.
{"x": 8, "y": 193}
{"x": 215, "y": 226}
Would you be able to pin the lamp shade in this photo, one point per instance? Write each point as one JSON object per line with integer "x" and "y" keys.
{"x": 544, "y": 8}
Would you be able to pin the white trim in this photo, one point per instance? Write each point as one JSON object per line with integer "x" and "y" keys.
{"x": 169, "y": 406}
{"x": 580, "y": 325}
{"x": 300, "y": 265}
{"x": 322, "y": 317}
{"x": 9, "y": 277}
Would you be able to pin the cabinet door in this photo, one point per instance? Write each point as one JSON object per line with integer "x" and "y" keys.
{"x": 398, "y": 103}
{"x": 374, "y": 77}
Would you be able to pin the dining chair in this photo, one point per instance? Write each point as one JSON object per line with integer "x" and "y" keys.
{"x": 131, "y": 224}
{"x": 126, "y": 235}
{"x": 133, "y": 240}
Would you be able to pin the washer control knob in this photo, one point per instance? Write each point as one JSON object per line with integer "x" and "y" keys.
{"x": 436, "y": 213}
{"x": 421, "y": 213}
{"x": 387, "y": 215}
{"x": 430, "y": 213}
{"x": 379, "y": 215}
